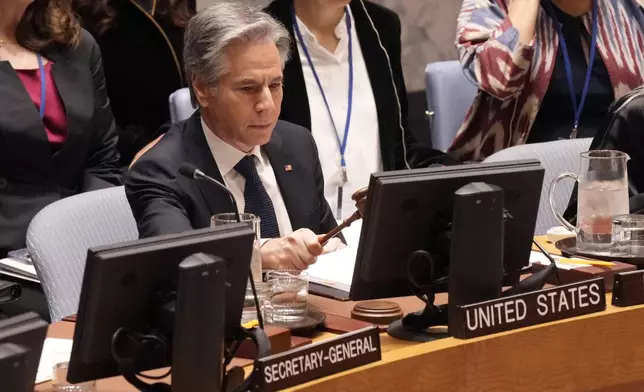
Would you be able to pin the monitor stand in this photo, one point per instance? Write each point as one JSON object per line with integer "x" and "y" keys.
{"x": 426, "y": 277}
{"x": 197, "y": 330}
{"x": 474, "y": 262}
{"x": 198, "y": 344}
{"x": 424, "y": 326}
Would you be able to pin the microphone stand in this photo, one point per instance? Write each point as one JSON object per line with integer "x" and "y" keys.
{"x": 199, "y": 175}
{"x": 189, "y": 170}
{"x": 258, "y": 336}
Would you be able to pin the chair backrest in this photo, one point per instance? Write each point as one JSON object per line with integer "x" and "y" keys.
{"x": 449, "y": 95}
{"x": 556, "y": 157}
{"x": 60, "y": 235}
{"x": 180, "y": 105}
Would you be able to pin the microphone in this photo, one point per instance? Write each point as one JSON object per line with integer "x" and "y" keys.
{"x": 189, "y": 170}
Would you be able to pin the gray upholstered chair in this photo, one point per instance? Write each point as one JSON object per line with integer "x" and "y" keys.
{"x": 180, "y": 105}
{"x": 556, "y": 157}
{"x": 449, "y": 96}
{"x": 60, "y": 235}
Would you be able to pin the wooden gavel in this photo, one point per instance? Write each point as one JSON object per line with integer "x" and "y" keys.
{"x": 360, "y": 198}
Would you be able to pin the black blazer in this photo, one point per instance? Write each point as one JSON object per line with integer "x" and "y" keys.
{"x": 165, "y": 202}
{"x": 142, "y": 69}
{"x": 624, "y": 134}
{"x": 31, "y": 177}
{"x": 295, "y": 105}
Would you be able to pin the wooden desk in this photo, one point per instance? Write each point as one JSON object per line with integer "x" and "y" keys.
{"x": 598, "y": 352}
{"x": 65, "y": 330}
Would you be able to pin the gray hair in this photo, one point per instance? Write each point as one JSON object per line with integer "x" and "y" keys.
{"x": 210, "y": 33}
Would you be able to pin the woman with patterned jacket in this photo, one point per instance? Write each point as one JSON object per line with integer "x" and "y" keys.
{"x": 530, "y": 60}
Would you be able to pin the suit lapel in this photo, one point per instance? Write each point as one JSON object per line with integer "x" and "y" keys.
{"x": 200, "y": 155}
{"x": 288, "y": 172}
{"x": 289, "y": 175}
{"x": 378, "y": 70}
{"x": 21, "y": 128}
{"x": 75, "y": 87}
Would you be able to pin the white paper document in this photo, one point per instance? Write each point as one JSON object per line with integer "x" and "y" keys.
{"x": 540, "y": 258}
{"x": 352, "y": 233}
{"x": 53, "y": 351}
{"x": 335, "y": 269}
{"x": 18, "y": 269}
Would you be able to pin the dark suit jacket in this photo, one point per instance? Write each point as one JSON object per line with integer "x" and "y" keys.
{"x": 31, "y": 177}
{"x": 295, "y": 105}
{"x": 624, "y": 134}
{"x": 165, "y": 202}
{"x": 140, "y": 69}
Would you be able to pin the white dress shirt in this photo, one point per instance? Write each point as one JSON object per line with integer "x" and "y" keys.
{"x": 227, "y": 156}
{"x": 362, "y": 154}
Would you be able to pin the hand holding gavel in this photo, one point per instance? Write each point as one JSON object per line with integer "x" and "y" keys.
{"x": 360, "y": 198}
{"x": 301, "y": 248}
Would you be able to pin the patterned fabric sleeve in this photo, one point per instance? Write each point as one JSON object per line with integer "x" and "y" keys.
{"x": 489, "y": 49}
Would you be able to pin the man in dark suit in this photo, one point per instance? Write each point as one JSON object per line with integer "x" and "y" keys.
{"x": 234, "y": 57}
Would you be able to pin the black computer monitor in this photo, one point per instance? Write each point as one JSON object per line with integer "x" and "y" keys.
{"x": 408, "y": 210}
{"x": 123, "y": 284}
{"x": 21, "y": 341}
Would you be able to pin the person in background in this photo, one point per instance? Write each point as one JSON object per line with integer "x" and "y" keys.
{"x": 626, "y": 133}
{"x": 141, "y": 42}
{"x": 345, "y": 83}
{"x": 234, "y": 56}
{"x": 57, "y": 132}
{"x": 545, "y": 69}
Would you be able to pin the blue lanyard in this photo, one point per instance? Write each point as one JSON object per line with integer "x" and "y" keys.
{"x": 341, "y": 142}
{"x": 591, "y": 61}
{"x": 43, "y": 87}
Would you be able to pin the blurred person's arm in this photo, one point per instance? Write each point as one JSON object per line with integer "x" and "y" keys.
{"x": 495, "y": 44}
{"x": 102, "y": 162}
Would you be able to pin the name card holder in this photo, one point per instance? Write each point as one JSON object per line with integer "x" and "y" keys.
{"x": 538, "y": 307}
{"x": 628, "y": 288}
{"x": 581, "y": 273}
{"x": 319, "y": 360}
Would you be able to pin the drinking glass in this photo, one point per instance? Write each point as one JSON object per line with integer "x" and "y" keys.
{"x": 60, "y": 359}
{"x": 628, "y": 234}
{"x": 602, "y": 194}
{"x": 289, "y": 292}
{"x": 250, "y": 311}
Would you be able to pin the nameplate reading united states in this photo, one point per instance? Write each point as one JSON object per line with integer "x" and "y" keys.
{"x": 320, "y": 359}
{"x": 533, "y": 308}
